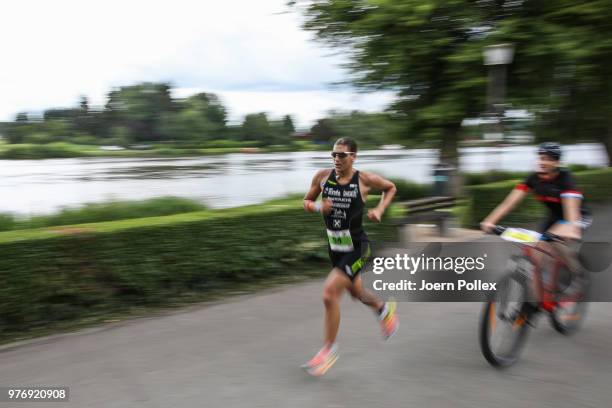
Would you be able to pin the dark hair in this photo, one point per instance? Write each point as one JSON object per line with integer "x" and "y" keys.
{"x": 348, "y": 142}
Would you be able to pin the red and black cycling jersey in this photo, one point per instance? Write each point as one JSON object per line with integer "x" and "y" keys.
{"x": 551, "y": 190}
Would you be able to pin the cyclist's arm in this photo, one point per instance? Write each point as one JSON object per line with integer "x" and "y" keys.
{"x": 571, "y": 214}
{"x": 571, "y": 199}
{"x": 510, "y": 202}
{"x": 571, "y": 209}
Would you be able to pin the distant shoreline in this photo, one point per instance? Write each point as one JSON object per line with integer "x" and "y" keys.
{"x": 68, "y": 150}
{"x": 63, "y": 150}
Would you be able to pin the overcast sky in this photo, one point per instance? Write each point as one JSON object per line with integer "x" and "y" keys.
{"x": 254, "y": 56}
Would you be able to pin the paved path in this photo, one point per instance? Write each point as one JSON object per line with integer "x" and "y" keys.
{"x": 246, "y": 353}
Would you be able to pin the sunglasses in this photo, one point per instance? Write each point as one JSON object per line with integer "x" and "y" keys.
{"x": 342, "y": 155}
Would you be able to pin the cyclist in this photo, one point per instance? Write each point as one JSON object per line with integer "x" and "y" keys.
{"x": 554, "y": 186}
{"x": 344, "y": 191}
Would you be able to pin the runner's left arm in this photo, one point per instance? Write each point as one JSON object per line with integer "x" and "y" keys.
{"x": 376, "y": 182}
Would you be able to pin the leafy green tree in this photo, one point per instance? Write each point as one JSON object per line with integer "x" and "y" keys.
{"x": 210, "y": 107}
{"x": 199, "y": 118}
{"x": 139, "y": 108}
{"x": 562, "y": 66}
{"x": 119, "y": 136}
{"x": 427, "y": 51}
{"x": 256, "y": 127}
{"x": 324, "y": 131}
{"x": 430, "y": 53}
{"x": 368, "y": 129}
{"x": 288, "y": 126}
{"x": 17, "y": 131}
{"x": 87, "y": 121}
{"x": 187, "y": 126}
{"x": 281, "y": 133}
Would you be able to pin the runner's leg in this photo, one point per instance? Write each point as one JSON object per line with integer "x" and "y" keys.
{"x": 365, "y": 296}
{"x": 385, "y": 311}
{"x": 335, "y": 284}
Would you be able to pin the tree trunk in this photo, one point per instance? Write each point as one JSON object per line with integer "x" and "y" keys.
{"x": 607, "y": 142}
{"x": 449, "y": 155}
{"x": 449, "y": 146}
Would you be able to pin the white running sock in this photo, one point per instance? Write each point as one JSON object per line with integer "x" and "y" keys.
{"x": 384, "y": 312}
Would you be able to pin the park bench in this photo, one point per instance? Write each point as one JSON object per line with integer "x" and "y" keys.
{"x": 427, "y": 210}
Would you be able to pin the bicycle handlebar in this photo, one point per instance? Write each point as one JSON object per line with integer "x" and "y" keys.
{"x": 546, "y": 236}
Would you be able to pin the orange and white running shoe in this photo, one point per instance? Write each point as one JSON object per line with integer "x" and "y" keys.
{"x": 322, "y": 361}
{"x": 389, "y": 322}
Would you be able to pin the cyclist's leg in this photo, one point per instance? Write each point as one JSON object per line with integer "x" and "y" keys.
{"x": 542, "y": 262}
{"x": 568, "y": 253}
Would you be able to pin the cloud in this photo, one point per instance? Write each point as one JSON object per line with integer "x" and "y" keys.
{"x": 55, "y": 51}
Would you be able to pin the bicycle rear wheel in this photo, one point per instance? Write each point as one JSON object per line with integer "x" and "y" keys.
{"x": 504, "y": 321}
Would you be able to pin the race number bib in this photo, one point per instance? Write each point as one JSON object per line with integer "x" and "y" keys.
{"x": 340, "y": 241}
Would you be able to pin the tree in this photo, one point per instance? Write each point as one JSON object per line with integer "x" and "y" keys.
{"x": 139, "y": 108}
{"x": 323, "y": 131}
{"x": 288, "y": 126}
{"x": 430, "y": 53}
{"x": 368, "y": 129}
{"x": 84, "y": 104}
{"x": 425, "y": 50}
{"x": 210, "y": 107}
{"x": 256, "y": 127}
{"x": 17, "y": 131}
{"x": 562, "y": 67}
{"x": 281, "y": 133}
{"x": 200, "y": 117}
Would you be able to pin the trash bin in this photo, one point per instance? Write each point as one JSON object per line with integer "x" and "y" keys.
{"x": 442, "y": 180}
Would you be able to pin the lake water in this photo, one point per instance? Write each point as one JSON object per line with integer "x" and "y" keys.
{"x": 43, "y": 186}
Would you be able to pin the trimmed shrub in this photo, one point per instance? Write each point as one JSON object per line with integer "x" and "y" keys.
{"x": 408, "y": 190}
{"x": 47, "y": 276}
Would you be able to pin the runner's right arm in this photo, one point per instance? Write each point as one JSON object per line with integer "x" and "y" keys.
{"x": 313, "y": 193}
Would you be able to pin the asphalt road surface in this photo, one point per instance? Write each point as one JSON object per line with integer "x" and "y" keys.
{"x": 246, "y": 352}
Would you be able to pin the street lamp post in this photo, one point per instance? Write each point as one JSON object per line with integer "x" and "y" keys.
{"x": 497, "y": 57}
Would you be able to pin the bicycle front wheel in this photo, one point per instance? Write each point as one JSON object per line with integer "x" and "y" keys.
{"x": 504, "y": 321}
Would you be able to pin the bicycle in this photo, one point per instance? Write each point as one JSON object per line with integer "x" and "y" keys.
{"x": 523, "y": 293}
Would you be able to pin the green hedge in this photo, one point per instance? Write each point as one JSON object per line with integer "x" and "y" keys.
{"x": 53, "y": 275}
{"x": 408, "y": 190}
{"x": 40, "y": 151}
{"x": 106, "y": 211}
{"x": 482, "y": 199}
{"x": 493, "y": 176}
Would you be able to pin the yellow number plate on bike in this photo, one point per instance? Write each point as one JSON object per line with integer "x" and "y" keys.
{"x": 521, "y": 235}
